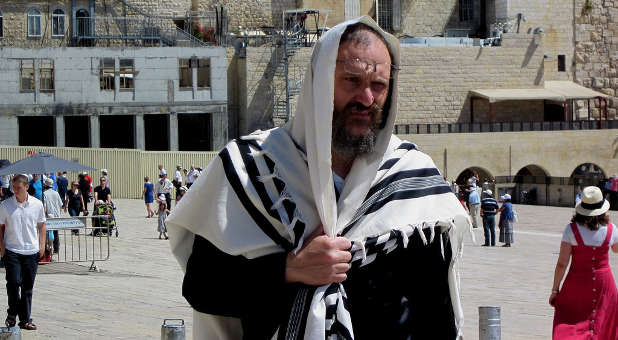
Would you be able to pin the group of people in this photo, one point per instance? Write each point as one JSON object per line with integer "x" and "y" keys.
{"x": 161, "y": 191}
{"x": 479, "y": 202}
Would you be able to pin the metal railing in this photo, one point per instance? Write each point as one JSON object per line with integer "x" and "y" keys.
{"x": 504, "y": 127}
{"x": 147, "y": 30}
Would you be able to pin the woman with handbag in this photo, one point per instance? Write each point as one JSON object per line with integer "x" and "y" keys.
{"x": 587, "y": 305}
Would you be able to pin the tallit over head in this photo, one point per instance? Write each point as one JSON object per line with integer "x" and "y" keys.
{"x": 267, "y": 192}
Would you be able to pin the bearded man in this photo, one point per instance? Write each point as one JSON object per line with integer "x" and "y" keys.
{"x": 330, "y": 226}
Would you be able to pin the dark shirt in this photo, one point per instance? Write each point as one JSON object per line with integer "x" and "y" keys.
{"x": 102, "y": 193}
{"x": 63, "y": 183}
{"x": 84, "y": 188}
{"x": 402, "y": 295}
{"x": 489, "y": 206}
{"x": 74, "y": 201}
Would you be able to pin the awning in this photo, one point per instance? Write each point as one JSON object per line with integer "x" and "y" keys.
{"x": 571, "y": 90}
{"x": 553, "y": 90}
{"x": 498, "y": 95}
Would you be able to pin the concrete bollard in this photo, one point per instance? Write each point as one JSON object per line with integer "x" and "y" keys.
{"x": 12, "y": 333}
{"x": 489, "y": 323}
{"x": 173, "y": 331}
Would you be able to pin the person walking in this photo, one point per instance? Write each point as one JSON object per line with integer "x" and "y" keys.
{"x": 75, "y": 203}
{"x": 84, "y": 189}
{"x": 177, "y": 181}
{"x": 587, "y": 305}
{"x": 474, "y": 203}
{"x": 162, "y": 212}
{"x": 489, "y": 207}
{"x": 22, "y": 244}
{"x": 148, "y": 196}
{"x": 63, "y": 184}
{"x": 53, "y": 207}
{"x": 506, "y": 221}
{"x": 164, "y": 187}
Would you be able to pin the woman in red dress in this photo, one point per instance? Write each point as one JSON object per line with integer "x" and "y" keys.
{"x": 587, "y": 305}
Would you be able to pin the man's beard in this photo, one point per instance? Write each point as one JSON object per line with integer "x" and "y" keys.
{"x": 347, "y": 145}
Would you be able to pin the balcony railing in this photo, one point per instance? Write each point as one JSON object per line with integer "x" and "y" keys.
{"x": 150, "y": 31}
{"x": 404, "y": 129}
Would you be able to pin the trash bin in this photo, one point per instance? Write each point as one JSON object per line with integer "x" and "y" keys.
{"x": 173, "y": 331}
{"x": 489, "y": 323}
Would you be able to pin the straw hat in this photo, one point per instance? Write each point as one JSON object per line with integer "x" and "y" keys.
{"x": 592, "y": 202}
{"x": 48, "y": 182}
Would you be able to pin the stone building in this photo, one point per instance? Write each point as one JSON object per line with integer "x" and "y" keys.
{"x": 108, "y": 74}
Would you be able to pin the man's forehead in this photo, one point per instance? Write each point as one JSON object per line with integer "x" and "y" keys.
{"x": 372, "y": 49}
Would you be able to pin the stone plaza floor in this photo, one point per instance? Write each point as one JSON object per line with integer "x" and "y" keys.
{"x": 140, "y": 285}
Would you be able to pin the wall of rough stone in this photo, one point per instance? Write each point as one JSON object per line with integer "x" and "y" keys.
{"x": 555, "y": 18}
{"x": 434, "y": 82}
{"x": 596, "y": 51}
{"x": 15, "y": 23}
{"x": 427, "y": 18}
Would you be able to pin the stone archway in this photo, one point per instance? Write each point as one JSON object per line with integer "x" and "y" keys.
{"x": 588, "y": 174}
{"x": 532, "y": 185}
{"x": 483, "y": 174}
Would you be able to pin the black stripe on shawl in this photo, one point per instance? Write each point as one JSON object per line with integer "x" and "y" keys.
{"x": 407, "y": 194}
{"x": 253, "y": 173}
{"x": 407, "y": 146}
{"x": 424, "y": 172}
{"x": 388, "y": 164}
{"x": 261, "y": 220}
{"x": 300, "y": 322}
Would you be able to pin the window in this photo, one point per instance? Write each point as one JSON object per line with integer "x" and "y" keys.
{"x": 385, "y": 15}
{"x": 127, "y": 71}
{"x": 561, "y": 63}
{"x": 46, "y": 74}
{"x": 1, "y": 25}
{"x": 34, "y": 23}
{"x": 27, "y": 75}
{"x": 203, "y": 73}
{"x": 107, "y": 73}
{"x": 466, "y": 10}
{"x": 58, "y": 23}
{"x": 185, "y": 73}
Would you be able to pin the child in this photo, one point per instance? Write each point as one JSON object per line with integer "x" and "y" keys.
{"x": 162, "y": 212}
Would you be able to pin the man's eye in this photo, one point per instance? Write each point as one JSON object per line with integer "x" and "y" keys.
{"x": 378, "y": 86}
{"x": 352, "y": 79}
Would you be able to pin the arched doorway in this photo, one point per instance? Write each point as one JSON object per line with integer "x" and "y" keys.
{"x": 532, "y": 185}
{"x": 587, "y": 174}
{"x": 485, "y": 180}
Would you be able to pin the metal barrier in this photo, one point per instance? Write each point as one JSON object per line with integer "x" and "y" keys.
{"x": 78, "y": 242}
{"x": 437, "y": 128}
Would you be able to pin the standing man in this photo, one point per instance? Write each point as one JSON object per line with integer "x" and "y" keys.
{"x": 343, "y": 229}
{"x": 35, "y": 186}
{"x": 22, "y": 244}
{"x": 63, "y": 184}
{"x": 164, "y": 187}
{"x": 489, "y": 207}
{"x": 104, "y": 174}
{"x": 53, "y": 205}
{"x": 474, "y": 202}
{"x": 102, "y": 192}
{"x": 191, "y": 176}
{"x": 177, "y": 179}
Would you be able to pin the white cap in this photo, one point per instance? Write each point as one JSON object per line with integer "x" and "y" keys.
{"x": 488, "y": 192}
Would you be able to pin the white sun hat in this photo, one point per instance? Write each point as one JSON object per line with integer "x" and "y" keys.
{"x": 592, "y": 202}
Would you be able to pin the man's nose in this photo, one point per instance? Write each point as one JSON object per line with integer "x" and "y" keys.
{"x": 365, "y": 96}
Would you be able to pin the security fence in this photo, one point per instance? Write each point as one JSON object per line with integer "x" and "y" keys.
{"x": 126, "y": 167}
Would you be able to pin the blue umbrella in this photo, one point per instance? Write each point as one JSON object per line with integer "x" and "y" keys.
{"x": 42, "y": 163}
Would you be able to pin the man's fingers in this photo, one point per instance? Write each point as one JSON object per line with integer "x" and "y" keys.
{"x": 342, "y": 243}
{"x": 341, "y": 268}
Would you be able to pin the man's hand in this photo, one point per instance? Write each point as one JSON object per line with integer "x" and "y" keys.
{"x": 41, "y": 252}
{"x": 322, "y": 260}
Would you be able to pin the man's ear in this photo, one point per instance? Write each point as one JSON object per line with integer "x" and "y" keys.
{"x": 387, "y": 105}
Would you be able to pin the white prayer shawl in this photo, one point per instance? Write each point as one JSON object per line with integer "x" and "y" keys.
{"x": 255, "y": 198}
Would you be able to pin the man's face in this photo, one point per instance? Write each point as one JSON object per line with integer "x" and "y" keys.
{"x": 20, "y": 188}
{"x": 360, "y": 94}
{"x": 35, "y": 177}
{"x": 103, "y": 182}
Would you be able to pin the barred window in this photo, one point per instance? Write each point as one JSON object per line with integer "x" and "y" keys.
{"x": 185, "y": 74}
{"x": 34, "y": 23}
{"x": 466, "y": 10}
{"x": 203, "y": 73}
{"x": 46, "y": 74}
{"x": 26, "y": 78}
{"x": 126, "y": 74}
{"x": 58, "y": 23}
{"x": 385, "y": 15}
{"x": 107, "y": 72}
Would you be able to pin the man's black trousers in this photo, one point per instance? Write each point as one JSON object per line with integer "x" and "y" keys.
{"x": 20, "y": 274}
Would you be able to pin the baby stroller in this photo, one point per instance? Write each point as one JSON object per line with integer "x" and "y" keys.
{"x": 106, "y": 223}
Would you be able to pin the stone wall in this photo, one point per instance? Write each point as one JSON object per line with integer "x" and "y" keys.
{"x": 434, "y": 82}
{"x": 15, "y": 15}
{"x": 596, "y": 51}
{"x": 555, "y": 18}
{"x": 427, "y": 18}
